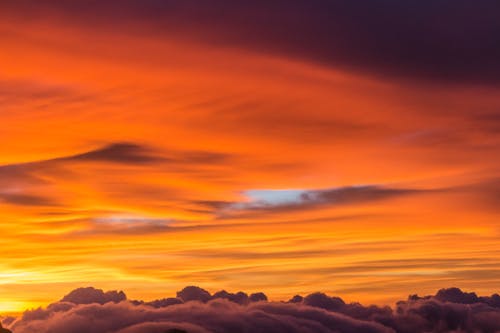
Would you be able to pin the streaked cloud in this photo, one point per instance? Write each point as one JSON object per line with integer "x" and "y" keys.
{"x": 25, "y": 199}
{"x": 266, "y": 145}
{"x": 293, "y": 199}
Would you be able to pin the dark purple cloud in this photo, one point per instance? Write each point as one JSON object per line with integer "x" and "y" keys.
{"x": 120, "y": 152}
{"x": 91, "y": 295}
{"x": 127, "y": 153}
{"x": 258, "y": 297}
{"x": 16, "y": 180}
{"x": 214, "y": 316}
{"x": 124, "y": 153}
{"x": 24, "y": 199}
{"x": 4, "y": 330}
{"x": 347, "y": 195}
{"x": 197, "y": 311}
{"x": 445, "y": 40}
{"x": 193, "y": 293}
{"x": 355, "y": 194}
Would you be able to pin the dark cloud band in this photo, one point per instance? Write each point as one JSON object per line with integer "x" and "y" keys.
{"x": 447, "y": 40}
{"x": 195, "y": 310}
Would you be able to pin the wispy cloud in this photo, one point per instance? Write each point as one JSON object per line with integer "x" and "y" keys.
{"x": 23, "y": 199}
{"x": 171, "y": 142}
{"x": 295, "y": 199}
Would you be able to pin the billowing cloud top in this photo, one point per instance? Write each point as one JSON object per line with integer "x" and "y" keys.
{"x": 197, "y": 311}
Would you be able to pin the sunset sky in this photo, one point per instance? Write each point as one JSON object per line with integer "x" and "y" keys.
{"x": 274, "y": 146}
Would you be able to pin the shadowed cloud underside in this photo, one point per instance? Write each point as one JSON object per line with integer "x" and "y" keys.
{"x": 195, "y": 310}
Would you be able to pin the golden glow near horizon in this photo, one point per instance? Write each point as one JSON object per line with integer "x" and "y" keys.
{"x": 149, "y": 164}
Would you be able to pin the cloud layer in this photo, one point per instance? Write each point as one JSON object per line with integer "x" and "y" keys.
{"x": 195, "y": 310}
{"x": 445, "y": 40}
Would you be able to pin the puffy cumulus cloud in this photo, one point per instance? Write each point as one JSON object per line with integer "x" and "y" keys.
{"x": 218, "y": 315}
{"x": 431, "y": 315}
{"x": 455, "y": 295}
{"x": 195, "y": 310}
{"x": 91, "y": 295}
{"x": 257, "y": 297}
{"x": 193, "y": 293}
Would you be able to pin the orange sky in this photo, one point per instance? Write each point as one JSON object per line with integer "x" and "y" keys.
{"x": 131, "y": 161}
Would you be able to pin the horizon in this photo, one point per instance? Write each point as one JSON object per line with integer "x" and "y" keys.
{"x": 165, "y": 295}
{"x": 85, "y": 308}
{"x": 97, "y": 295}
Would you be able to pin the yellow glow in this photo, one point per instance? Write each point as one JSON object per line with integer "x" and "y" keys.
{"x": 210, "y": 124}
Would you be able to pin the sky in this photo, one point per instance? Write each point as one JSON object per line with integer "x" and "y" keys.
{"x": 289, "y": 147}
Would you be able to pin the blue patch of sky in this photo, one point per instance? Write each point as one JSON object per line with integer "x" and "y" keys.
{"x": 275, "y": 197}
